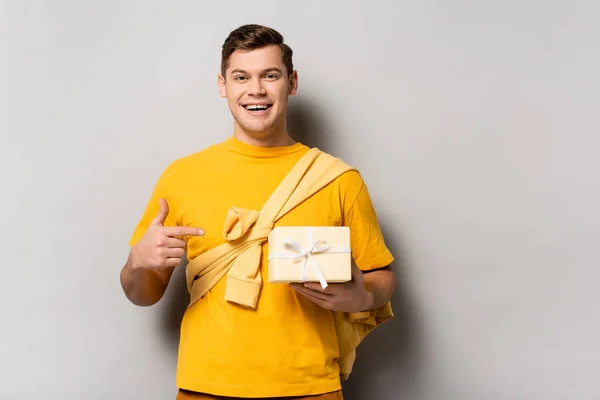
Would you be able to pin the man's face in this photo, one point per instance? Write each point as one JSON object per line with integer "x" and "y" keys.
{"x": 257, "y": 87}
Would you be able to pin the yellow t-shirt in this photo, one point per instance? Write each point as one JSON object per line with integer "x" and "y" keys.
{"x": 287, "y": 346}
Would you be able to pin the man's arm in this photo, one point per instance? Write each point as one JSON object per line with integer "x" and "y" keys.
{"x": 366, "y": 291}
{"x": 151, "y": 261}
{"x": 373, "y": 286}
{"x": 381, "y": 284}
{"x": 144, "y": 286}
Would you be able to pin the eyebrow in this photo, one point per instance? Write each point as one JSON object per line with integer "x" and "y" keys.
{"x": 241, "y": 71}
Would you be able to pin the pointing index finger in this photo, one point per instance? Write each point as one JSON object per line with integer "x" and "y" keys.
{"x": 183, "y": 231}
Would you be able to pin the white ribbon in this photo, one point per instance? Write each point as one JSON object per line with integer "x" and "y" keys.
{"x": 304, "y": 254}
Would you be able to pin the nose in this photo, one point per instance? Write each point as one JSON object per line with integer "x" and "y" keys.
{"x": 256, "y": 88}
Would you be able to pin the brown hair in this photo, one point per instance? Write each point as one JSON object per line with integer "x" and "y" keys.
{"x": 251, "y": 37}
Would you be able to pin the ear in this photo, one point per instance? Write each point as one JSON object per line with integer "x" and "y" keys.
{"x": 221, "y": 83}
{"x": 293, "y": 83}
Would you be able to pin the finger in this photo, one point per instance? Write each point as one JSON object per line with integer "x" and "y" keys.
{"x": 316, "y": 300}
{"x": 175, "y": 242}
{"x": 317, "y": 287}
{"x": 162, "y": 213}
{"x": 312, "y": 293}
{"x": 173, "y": 261}
{"x": 182, "y": 231}
{"x": 171, "y": 253}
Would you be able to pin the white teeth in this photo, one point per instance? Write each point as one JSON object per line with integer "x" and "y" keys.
{"x": 257, "y": 107}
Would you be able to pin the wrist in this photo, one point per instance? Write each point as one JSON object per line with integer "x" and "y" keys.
{"x": 132, "y": 259}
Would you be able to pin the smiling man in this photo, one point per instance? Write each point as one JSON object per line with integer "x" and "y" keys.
{"x": 288, "y": 343}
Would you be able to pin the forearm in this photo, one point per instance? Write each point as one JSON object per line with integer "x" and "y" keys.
{"x": 380, "y": 284}
{"x": 144, "y": 286}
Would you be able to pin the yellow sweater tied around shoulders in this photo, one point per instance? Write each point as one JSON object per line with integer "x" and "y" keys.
{"x": 246, "y": 230}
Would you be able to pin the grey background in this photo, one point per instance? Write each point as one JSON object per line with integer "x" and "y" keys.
{"x": 474, "y": 123}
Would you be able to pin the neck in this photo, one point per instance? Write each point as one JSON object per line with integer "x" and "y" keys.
{"x": 276, "y": 138}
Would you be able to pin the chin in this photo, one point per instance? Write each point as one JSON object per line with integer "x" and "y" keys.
{"x": 259, "y": 131}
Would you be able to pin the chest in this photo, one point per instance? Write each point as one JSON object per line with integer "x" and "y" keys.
{"x": 206, "y": 205}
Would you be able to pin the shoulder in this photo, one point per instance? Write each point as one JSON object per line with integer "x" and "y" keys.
{"x": 349, "y": 183}
{"x": 352, "y": 179}
{"x": 349, "y": 179}
{"x": 192, "y": 164}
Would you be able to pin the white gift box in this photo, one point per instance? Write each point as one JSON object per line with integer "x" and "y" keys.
{"x": 310, "y": 254}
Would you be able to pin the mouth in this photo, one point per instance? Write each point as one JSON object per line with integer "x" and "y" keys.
{"x": 258, "y": 109}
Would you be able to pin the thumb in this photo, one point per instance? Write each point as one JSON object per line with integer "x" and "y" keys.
{"x": 162, "y": 213}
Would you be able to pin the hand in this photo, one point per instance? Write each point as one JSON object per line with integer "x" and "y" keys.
{"x": 350, "y": 296}
{"x": 160, "y": 247}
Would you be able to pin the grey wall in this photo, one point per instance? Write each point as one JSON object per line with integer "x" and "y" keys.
{"x": 474, "y": 123}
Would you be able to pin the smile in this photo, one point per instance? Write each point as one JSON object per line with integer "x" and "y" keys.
{"x": 257, "y": 107}
{"x": 258, "y": 110}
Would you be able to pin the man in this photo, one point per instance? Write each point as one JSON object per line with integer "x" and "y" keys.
{"x": 287, "y": 345}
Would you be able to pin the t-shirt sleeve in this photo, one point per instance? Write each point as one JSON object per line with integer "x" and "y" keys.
{"x": 161, "y": 190}
{"x": 369, "y": 250}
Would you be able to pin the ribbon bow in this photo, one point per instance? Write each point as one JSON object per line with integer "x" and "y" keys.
{"x": 304, "y": 254}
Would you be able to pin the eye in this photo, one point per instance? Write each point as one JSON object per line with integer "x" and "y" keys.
{"x": 239, "y": 78}
{"x": 271, "y": 76}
